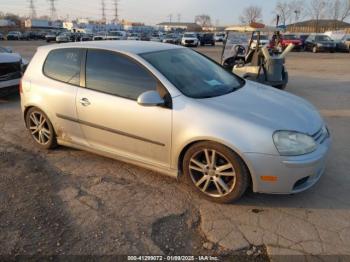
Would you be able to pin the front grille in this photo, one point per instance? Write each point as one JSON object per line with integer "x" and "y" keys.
{"x": 321, "y": 135}
{"x": 189, "y": 41}
{"x": 10, "y": 71}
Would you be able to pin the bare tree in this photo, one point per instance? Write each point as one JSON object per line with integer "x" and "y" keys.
{"x": 339, "y": 9}
{"x": 251, "y": 14}
{"x": 283, "y": 10}
{"x": 317, "y": 10}
{"x": 203, "y": 20}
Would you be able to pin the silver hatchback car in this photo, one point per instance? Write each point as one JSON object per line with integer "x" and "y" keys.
{"x": 175, "y": 111}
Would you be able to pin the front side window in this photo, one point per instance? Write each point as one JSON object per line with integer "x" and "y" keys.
{"x": 193, "y": 74}
{"x": 108, "y": 72}
{"x": 64, "y": 65}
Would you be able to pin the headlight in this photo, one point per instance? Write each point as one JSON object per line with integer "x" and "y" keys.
{"x": 289, "y": 143}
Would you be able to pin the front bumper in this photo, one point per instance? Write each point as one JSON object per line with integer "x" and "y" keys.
{"x": 293, "y": 174}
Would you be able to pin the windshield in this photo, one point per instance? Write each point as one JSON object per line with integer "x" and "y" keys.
{"x": 323, "y": 38}
{"x": 189, "y": 35}
{"x": 193, "y": 74}
{"x": 290, "y": 37}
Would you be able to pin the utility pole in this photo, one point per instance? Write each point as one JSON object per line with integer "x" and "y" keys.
{"x": 52, "y": 9}
{"x": 170, "y": 18}
{"x": 32, "y": 9}
{"x": 103, "y": 9}
{"x": 178, "y": 18}
{"x": 116, "y": 17}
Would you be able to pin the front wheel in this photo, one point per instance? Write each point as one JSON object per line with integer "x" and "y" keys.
{"x": 41, "y": 129}
{"x": 216, "y": 172}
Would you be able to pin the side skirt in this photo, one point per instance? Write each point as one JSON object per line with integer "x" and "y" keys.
{"x": 169, "y": 172}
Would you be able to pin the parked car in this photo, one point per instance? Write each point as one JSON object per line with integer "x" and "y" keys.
{"x": 145, "y": 37}
{"x": 207, "y": 39}
{"x": 156, "y": 37}
{"x": 264, "y": 40}
{"x": 30, "y": 36}
{"x": 219, "y": 37}
{"x": 64, "y": 38}
{"x": 175, "y": 111}
{"x": 346, "y": 41}
{"x": 303, "y": 38}
{"x": 14, "y": 35}
{"x": 172, "y": 39}
{"x": 319, "y": 42}
{"x": 134, "y": 36}
{"x": 288, "y": 39}
{"x": 100, "y": 36}
{"x": 12, "y": 65}
{"x": 190, "y": 39}
{"x": 116, "y": 35}
{"x": 86, "y": 37}
{"x": 51, "y": 37}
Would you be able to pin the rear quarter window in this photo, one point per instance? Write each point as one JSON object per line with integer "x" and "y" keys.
{"x": 64, "y": 65}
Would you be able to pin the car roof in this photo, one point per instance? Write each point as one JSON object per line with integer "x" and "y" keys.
{"x": 126, "y": 46}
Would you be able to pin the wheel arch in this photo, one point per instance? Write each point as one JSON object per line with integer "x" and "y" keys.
{"x": 235, "y": 150}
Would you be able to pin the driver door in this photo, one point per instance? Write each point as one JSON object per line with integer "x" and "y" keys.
{"x": 111, "y": 118}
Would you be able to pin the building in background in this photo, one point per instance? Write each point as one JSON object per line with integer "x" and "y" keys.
{"x": 318, "y": 26}
{"x": 42, "y": 24}
{"x": 6, "y": 23}
{"x": 173, "y": 26}
{"x": 136, "y": 26}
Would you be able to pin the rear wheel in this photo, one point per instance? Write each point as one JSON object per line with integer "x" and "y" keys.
{"x": 215, "y": 171}
{"x": 41, "y": 129}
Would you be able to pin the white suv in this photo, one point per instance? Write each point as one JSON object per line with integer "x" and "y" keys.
{"x": 190, "y": 39}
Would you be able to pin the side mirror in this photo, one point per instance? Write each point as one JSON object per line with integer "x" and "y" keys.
{"x": 150, "y": 98}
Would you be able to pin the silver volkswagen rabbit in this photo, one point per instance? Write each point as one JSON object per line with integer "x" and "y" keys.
{"x": 175, "y": 111}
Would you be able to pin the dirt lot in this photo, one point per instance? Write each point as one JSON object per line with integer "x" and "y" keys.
{"x": 69, "y": 202}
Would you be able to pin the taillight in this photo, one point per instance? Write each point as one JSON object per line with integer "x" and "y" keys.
{"x": 20, "y": 87}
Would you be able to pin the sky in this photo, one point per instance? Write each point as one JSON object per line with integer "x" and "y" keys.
{"x": 226, "y": 12}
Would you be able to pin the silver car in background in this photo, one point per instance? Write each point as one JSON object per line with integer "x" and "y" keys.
{"x": 172, "y": 110}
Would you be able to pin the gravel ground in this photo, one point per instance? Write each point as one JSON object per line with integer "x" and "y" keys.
{"x": 69, "y": 202}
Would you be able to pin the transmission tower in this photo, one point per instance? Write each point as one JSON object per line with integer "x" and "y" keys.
{"x": 116, "y": 17}
{"x": 103, "y": 9}
{"x": 52, "y": 9}
{"x": 32, "y": 9}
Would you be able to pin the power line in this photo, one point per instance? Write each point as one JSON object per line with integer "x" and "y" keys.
{"x": 116, "y": 9}
{"x": 103, "y": 9}
{"x": 53, "y": 13}
{"x": 32, "y": 13}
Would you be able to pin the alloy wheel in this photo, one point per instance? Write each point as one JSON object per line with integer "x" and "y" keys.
{"x": 39, "y": 128}
{"x": 212, "y": 173}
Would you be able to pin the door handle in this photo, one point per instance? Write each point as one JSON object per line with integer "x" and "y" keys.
{"x": 84, "y": 102}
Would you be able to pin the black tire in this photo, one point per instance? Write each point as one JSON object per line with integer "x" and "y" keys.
{"x": 238, "y": 184}
{"x": 51, "y": 140}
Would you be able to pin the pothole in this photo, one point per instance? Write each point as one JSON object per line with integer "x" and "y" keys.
{"x": 178, "y": 234}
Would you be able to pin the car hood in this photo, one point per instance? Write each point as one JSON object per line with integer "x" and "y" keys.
{"x": 10, "y": 58}
{"x": 269, "y": 107}
{"x": 190, "y": 38}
